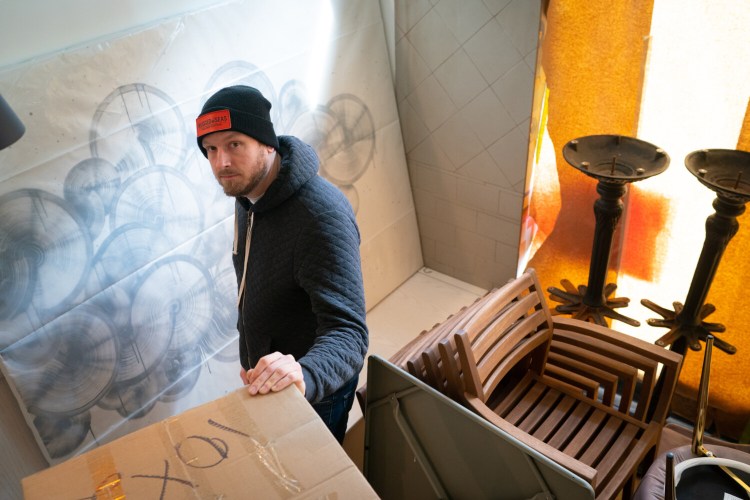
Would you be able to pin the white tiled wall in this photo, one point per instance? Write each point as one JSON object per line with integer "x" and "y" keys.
{"x": 464, "y": 76}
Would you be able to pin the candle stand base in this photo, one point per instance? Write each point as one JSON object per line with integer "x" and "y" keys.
{"x": 573, "y": 303}
{"x": 683, "y": 334}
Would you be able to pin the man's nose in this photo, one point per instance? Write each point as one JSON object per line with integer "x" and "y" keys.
{"x": 222, "y": 158}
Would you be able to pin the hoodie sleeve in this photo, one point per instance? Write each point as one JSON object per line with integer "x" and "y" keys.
{"x": 331, "y": 274}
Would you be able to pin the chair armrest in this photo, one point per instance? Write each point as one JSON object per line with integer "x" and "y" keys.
{"x": 620, "y": 339}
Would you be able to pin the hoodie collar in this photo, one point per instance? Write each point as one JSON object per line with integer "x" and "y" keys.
{"x": 299, "y": 164}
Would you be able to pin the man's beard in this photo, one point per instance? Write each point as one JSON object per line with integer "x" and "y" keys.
{"x": 233, "y": 189}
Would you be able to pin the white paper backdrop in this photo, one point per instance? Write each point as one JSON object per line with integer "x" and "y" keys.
{"x": 117, "y": 288}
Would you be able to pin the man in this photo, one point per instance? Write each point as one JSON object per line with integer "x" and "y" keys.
{"x": 296, "y": 255}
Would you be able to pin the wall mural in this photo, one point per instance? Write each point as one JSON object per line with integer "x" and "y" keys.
{"x": 117, "y": 307}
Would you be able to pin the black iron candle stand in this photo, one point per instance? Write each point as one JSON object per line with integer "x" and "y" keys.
{"x": 615, "y": 161}
{"x": 722, "y": 171}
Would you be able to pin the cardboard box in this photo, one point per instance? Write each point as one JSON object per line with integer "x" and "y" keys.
{"x": 271, "y": 446}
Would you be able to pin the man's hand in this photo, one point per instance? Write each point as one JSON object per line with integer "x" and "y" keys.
{"x": 274, "y": 372}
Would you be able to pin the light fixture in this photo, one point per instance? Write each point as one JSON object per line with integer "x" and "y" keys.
{"x": 11, "y": 127}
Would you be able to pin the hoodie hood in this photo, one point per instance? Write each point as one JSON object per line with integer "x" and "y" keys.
{"x": 299, "y": 164}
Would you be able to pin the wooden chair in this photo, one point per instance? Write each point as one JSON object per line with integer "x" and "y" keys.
{"x": 575, "y": 391}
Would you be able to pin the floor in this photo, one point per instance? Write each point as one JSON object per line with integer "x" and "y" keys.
{"x": 425, "y": 299}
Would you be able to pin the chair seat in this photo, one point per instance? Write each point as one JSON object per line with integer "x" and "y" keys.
{"x": 567, "y": 420}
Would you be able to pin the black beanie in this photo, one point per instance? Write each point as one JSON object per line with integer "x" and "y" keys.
{"x": 239, "y": 108}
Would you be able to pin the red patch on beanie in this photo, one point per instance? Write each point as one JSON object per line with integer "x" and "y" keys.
{"x": 213, "y": 122}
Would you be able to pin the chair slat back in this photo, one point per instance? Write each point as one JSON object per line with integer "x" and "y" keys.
{"x": 514, "y": 324}
{"x": 619, "y": 355}
{"x": 506, "y": 321}
{"x": 513, "y": 345}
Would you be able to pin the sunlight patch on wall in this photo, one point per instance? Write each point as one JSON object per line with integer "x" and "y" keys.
{"x": 319, "y": 64}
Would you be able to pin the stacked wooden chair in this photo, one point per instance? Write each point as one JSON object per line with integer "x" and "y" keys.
{"x": 577, "y": 392}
